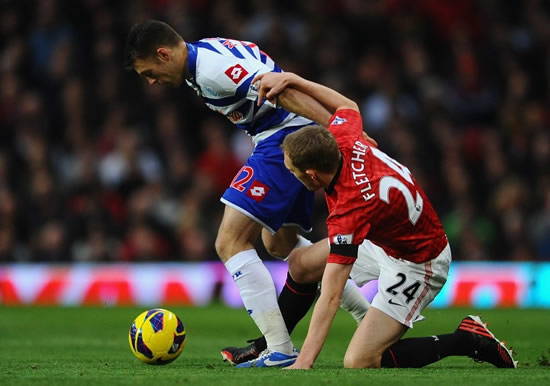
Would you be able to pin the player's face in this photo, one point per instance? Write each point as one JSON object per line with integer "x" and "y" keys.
{"x": 159, "y": 70}
{"x": 305, "y": 178}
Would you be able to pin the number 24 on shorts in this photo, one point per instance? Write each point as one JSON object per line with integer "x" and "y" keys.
{"x": 409, "y": 292}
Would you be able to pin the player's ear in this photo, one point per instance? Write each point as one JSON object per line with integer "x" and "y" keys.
{"x": 312, "y": 174}
{"x": 163, "y": 54}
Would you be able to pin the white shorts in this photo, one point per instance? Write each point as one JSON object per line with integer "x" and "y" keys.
{"x": 404, "y": 288}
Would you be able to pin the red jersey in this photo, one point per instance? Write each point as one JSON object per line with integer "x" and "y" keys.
{"x": 374, "y": 197}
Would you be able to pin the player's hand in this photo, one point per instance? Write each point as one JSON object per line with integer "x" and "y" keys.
{"x": 270, "y": 85}
{"x": 369, "y": 139}
{"x": 297, "y": 366}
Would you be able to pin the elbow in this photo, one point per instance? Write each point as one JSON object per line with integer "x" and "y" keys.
{"x": 333, "y": 301}
{"x": 351, "y": 105}
{"x": 347, "y": 104}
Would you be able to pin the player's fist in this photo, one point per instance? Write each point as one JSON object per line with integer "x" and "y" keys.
{"x": 271, "y": 84}
{"x": 369, "y": 139}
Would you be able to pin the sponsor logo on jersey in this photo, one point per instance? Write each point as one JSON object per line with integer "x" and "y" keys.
{"x": 257, "y": 191}
{"x": 338, "y": 121}
{"x": 210, "y": 91}
{"x": 340, "y": 239}
{"x": 215, "y": 108}
{"x": 236, "y": 73}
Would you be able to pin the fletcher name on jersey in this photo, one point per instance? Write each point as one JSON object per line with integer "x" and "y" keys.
{"x": 374, "y": 197}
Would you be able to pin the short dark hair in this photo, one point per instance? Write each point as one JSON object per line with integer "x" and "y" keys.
{"x": 144, "y": 38}
{"x": 312, "y": 147}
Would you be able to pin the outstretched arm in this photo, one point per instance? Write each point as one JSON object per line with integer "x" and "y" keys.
{"x": 302, "y": 104}
{"x": 273, "y": 84}
{"x": 334, "y": 280}
{"x": 297, "y": 94}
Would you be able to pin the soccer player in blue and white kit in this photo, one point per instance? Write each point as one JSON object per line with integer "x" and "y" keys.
{"x": 263, "y": 197}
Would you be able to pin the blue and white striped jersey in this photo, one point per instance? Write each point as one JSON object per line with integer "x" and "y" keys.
{"x": 222, "y": 71}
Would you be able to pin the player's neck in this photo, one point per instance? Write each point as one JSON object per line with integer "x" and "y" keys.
{"x": 330, "y": 179}
{"x": 183, "y": 53}
{"x": 325, "y": 179}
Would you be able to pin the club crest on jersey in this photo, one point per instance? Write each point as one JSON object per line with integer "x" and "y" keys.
{"x": 337, "y": 121}
{"x": 254, "y": 87}
{"x": 236, "y": 73}
{"x": 257, "y": 191}
{"x": 342, "y": 239}
{"x": 235, "y": 116}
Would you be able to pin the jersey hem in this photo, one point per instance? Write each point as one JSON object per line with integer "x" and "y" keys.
{"x": 339, "y": 259}
{"x": 292, "y": 120}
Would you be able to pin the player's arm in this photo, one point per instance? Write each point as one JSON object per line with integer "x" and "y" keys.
{"x": 291, "y": 90}
{"x": 228, "y": 76}
{"x": 272, "y": 85}
{"x": 332, "y": 286}
{"x": 302, "y": 104}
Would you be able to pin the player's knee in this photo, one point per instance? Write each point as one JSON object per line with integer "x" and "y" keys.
{"x": 279, "y": 246}
{"x": 221, "y": 247}
{"x": 303, "y": 268}
{"x": 228, "y": 244}
{"x": 363, "y": 361}
{"x": 297, "y": 269}
{"x": 275, "y": 250}
{"x": 225, "y": 247}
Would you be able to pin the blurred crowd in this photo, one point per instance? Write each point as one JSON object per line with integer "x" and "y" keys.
{"x": 96, "y": 165}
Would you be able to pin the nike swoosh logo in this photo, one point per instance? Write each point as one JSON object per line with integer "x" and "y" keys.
{"x": 269, "y": 362}
{"x": 394, "y": 303}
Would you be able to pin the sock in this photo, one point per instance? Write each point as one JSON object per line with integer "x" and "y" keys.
{"x": 260, "y": 298}
{"x": 302, "y": 242}
{"x": 354, "y": 302}
{"x": 295, "y": 300}
{"x": 420, "y": 352}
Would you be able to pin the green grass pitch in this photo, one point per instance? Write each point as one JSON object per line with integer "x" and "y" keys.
{"x": 89, "y": 346}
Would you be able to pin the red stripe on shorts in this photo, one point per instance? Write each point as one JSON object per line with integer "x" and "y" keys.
{"x": 427, "y": 277}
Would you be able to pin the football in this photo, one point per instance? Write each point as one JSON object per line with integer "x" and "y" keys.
{"x": 157, "y": 336}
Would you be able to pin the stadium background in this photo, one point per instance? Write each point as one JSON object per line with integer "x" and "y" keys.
{"x": 107, "y": 182}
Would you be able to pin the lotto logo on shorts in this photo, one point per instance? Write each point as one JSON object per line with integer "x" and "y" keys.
{"x": 257, "y": 191}
{"x": 236, "y": 73}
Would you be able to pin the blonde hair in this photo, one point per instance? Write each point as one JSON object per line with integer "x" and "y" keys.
{"x": 312, "y": 147}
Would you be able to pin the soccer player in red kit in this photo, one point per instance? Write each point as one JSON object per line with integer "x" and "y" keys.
{"x": 382, "y": 226}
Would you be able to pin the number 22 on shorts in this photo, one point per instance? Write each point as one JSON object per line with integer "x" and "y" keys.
{"x": 238, "y": 183}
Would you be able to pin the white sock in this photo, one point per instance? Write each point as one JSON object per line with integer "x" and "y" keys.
{"x": 260, "y": 298}
{"x": 354, "y": 302}
{"x": 302, "y": 242}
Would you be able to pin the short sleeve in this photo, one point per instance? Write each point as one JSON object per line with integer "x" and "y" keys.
{"x": 346, "y": 125}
